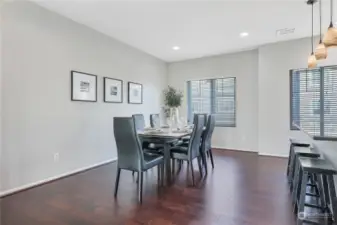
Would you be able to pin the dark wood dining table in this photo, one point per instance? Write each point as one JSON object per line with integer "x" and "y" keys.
{"x": 165, "y": 137}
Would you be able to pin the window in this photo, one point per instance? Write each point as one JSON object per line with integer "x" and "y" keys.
{"x": 213, "y": 96}
{"x": 313, "y": 104}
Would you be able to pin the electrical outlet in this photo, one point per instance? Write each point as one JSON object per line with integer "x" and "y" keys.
{"x": 56, "y": 157}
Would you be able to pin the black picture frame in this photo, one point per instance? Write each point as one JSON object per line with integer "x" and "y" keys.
{"x": 104, "y": 90}
{"x": 129, "y": 99}
{"x": 72, "y": 86}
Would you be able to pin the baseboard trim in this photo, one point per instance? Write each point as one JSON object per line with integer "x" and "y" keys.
{"x": 241, "y": 150}
{"x": 52, "y": 179}
{"x": 249, "y": 151}
{"x": 273, "y": 155}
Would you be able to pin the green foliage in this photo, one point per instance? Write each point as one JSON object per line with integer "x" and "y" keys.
{"x": 173, "y": 97}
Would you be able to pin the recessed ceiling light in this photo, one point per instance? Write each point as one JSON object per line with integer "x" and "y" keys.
{"x": 244, "y": 34}
{"x": 176, "y": 48}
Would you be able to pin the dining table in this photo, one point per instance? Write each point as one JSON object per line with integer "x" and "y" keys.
{"x": 166, "y": 137}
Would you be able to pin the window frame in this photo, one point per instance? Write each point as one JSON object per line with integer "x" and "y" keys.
{"x": 293, "y": 126}
{"x": 212, "y": 99}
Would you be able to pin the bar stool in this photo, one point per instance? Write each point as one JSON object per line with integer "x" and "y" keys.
{"x": 326, "y": 186}
{"x": 296, "y": 153}
{"x": 294, "y": 143}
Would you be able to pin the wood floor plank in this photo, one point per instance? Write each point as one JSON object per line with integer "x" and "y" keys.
{"x": 243, "y": 189}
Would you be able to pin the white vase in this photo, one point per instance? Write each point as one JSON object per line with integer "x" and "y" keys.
{"x": 174, "y": 117}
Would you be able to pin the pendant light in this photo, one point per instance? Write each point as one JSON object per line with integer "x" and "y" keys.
{"x": 320, "y": 52}
{"x": 312, "y": 58}
{"x": 330, "y": 38}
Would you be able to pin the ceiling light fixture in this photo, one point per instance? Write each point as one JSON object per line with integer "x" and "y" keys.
{"x": 244, "y": 34}
{"x": 330, "y": 38}
{"x": 320, "y": 52}
{"x": 312, "y": 62}
{"x": 176, "y": 48}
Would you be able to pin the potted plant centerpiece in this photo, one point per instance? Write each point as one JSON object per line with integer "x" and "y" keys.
{"x": 173, "y": 99}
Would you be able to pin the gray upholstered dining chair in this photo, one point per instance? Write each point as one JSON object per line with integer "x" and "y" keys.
{"x": 154, "y": 120}
{"x": 206, "y": 147}
{"x": 204, "y": 115}
{"x": 192, "y": 151}
{"x": 130, "y": 153}
{"x": 140, "y": 126}
{"x": 139, "y": 121}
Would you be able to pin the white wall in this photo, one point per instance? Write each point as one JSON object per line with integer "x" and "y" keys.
{"x": 243, "y": 66}
{"x": 263, "y": 106}
{"x": 275, "y": 61}
{"x": 40, "y": 48}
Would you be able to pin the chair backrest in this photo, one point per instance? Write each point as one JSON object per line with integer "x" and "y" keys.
{"x": 204, "y": 115}
{"x": 207, "y": 135}
{"x": 195, "y": 140}
{"x": 154, "y": 120}
{"x": 139, "y": 121}
{"x": 129, "y": 149}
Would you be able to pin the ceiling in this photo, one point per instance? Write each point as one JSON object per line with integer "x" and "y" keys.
{"x": 200, "y": 28}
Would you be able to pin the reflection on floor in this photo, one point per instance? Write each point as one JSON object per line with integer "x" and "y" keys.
{"x": 243, "y": 189}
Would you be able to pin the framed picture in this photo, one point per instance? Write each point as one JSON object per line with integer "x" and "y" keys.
{"x": 83, "y": 87}
{"x": 113, "y": 90}
{"x": 135, "y": 93}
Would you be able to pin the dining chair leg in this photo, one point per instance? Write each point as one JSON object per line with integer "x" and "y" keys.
{"x": 133, "y": 173}
{"x": 207, "y": 153}
{"x": 159, "y": 174}
{"x": 199, "y": 165}
{"x": 180, "y": 162}
{"x": 204, "y": 161}
{"x": 140, "y": 187}
{"x": 162, "y": 174}
{"x": 211, "y": 155}
{"x": 117, "y": 180}
{"x": 192, "y": 172}
{"x": 173, "y": 166}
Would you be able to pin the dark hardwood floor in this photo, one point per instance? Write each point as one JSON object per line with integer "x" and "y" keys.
{"x": 243, "y": 189}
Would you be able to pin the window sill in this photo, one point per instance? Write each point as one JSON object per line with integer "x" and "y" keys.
{"x": 319, "y": 138}
{"x": 225, "y": 125}
{"x": 295, "y": 127}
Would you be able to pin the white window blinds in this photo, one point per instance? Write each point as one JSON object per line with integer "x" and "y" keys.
{"x": 213, "y": 96}
{"x": 313, "y": 96}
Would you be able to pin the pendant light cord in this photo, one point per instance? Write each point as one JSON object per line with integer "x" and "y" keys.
{"x": 312, "y": 28}
{"x": 320, "y": 21}
{"x": 331, "y": 13}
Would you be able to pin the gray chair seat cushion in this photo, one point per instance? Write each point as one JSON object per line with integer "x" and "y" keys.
{"x": 314, "y": 165}
{"x": 186, "y": 139}
{"x": 183, "y": 144}
{"x": 299, "y": 143}
{"x": 155, "y": 146}
{"x": 151, "y": 160}
{"x": 179, "y": 152}
{"x": 154, "y": 151}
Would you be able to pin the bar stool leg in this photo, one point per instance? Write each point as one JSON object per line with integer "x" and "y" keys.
{"x": 320, "y": 192}
{"x": 295, "y": 183}
{"x": 301, "y": 202}
{"x": 326, "y": 190}
{"x": 333, "y": 197}
{"x": 292, "y": 163}
{"x": 289, "y": 158}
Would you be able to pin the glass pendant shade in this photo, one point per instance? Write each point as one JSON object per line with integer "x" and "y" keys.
{"x": 320, "y": 51}
{"x": 330, "y": 37}
{"x": 312, "y": 62}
